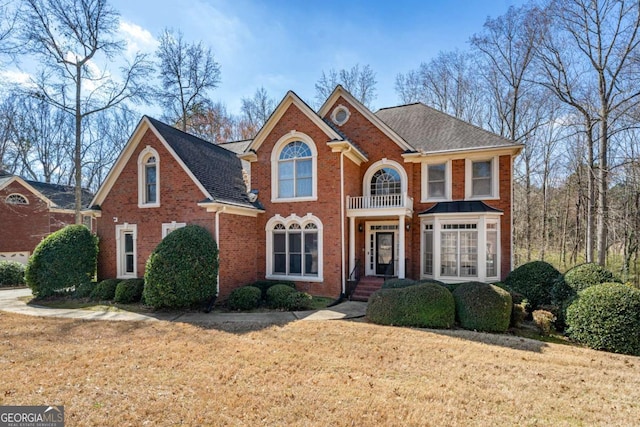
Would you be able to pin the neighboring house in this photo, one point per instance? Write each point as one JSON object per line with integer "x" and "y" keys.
{"x": 342, "y": 192}
{"x": 30, "y": 211}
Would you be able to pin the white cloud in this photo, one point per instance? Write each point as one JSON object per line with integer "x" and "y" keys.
{"x": 138, "y": 39}
{"x": 15, "y": 77}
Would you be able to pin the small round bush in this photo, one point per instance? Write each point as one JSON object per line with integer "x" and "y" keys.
{"x": 583, "y": 276}
{"x": 105, "y": 290}
{"x": 181, "y": 271}
{"x": 244, "y": 298}
{"x": 64, "y": 259}
{"x": 426, "y": 281}
{"x": 299, "y": 301}
{"x": 483, "y": 307}
{"x": 278, "y": 296}
{"x": 11, "y": 274}
{"x": 606, "y": 317}
{"x": 84, "y": 290}
{"x": 129, "y": 291}
{"x": 263, "y": 285}
{"x": 398, "y": 283}
{"x": 425, "y": 306}
{"x": 534, "y": 280}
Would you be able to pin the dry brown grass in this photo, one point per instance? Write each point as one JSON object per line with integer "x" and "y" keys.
{"x": 307, "y": 373}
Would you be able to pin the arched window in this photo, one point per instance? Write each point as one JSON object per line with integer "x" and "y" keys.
{"x": 386, "y": 181}
{"x": 294, "y": 248}
{"x": 16, "y": 199}
{"x": 293, "y": 168}
{"x": 148, "y": 178}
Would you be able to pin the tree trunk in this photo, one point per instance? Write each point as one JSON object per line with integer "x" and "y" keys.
{"x": 590, "y": 195}
{"x": 78, "y": 146}
{"x": 603, "y": 213}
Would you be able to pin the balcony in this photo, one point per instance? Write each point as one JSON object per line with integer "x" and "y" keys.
{"x": 389, "y": 204}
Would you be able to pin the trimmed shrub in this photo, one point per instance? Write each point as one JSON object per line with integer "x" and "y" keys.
{"x": 181, "y": 271}
{"x": 606, "y": 317}
{"x": 534, "y": 280}
{"x": 105, "y": 290}
{"x": 299, "y": 301}
{"x": 64, "y": 259}
{"x": 129, "y": 291}
{"x": 263, "y": 285}
{"x": 244, "y": 298}
{"x": 483, "y": 307}
{"x": 425, "y": 306}
{"x": 583, "y": 276}
{"x": 518, "y": 314}
{"x": 427, "y": 281}
{"x": 398, "y": 283}
{"x": 84, "y": 290}
{"x": 278, "y": 296}
{"x": 11, "y": 274}
{"x": 450, "y": 286}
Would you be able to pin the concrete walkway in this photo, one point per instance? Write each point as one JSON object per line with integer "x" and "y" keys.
{"x": 11, "y": 301}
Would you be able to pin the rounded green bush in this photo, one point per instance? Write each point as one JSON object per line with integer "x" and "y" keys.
{"x": 606, "y": 317}
{"x": 105, "y": 290}
{"x": 263, "y": 285}
{"x": 129, "y": 291}
{"x": 84, "y": 290}
{"x": 299, "y": 301}
{"x": 65, "y": 259}
{"x": 483, "y": 307}
{"x": 534, "y": 280}
{"x": 583, "y": 276}
{"x": 278, "y": 296}
{"x": 398, "y": 283}
{"x": 244, "y": 298}
{"x": 181, "y": 271}
{"x": 425, "y": 306}
{"x": 11, "y": 274}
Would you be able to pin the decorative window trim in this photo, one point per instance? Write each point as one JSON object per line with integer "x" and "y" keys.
{"x": 142, "y": 159}
{"x": 121, "y": 229}
{"x": 380, "y": 164}
{"x": 168, "y": 227}
{"x": 424, "y": 193}
{"x": 275, "y": 157}
{"x": 16, "y": 199}
{"x": 334, "y": 115}
{"x": 287, "y": 222}
{"x": 495, "y": 178}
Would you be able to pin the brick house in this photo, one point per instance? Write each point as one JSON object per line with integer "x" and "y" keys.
{"x": 30, "y": 211}
{"x": 320, "y": 198}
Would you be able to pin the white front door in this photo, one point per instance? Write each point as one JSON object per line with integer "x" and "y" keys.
{"x": 381, "y": 248}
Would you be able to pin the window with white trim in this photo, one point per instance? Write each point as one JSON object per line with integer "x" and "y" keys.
{"x": 16, "y": 199}
{"x": 436, "y": 181}
{"x": 294, "y": 248}
{"x": 148, "y": 178}
{"x": 126, "y": 239}
{"x": 168, "y": 227}
{"x": 294, "y": 168}
{"x": 482, "y": 178}
{"x": 459, "y": 250}
{"x": 386, "y": 181}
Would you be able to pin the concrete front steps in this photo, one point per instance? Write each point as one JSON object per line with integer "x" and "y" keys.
{"x": 366, "y": 286}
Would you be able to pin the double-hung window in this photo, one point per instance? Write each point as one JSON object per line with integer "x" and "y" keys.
{"x": 482, "y": 179}
{"x": 148, "y": 178}
{"x": 295, "y": 171}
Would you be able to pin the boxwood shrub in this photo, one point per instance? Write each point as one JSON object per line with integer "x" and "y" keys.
{"x": 65, "y": 259}
{"x": 606, "y": 317}
{"x": 105, "y": 290}
{"x": 263, "y": 285}
{"x": 278, "y": 296}
{"x": 534, "y": 280}
{"x": 483, "y": 307}
{"x": 426, "y": 306}
{"x": 299, "y": 301}
{"x": 129, "y": 291}
{"x": 398, "y": 283}
{"x": 181, "y": 271}
{"x": 11, "y": 274}
{"x": 583, "y": 276}
{"x": 244, "y": 298}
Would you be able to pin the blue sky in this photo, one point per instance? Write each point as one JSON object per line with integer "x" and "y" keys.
{"x": 284, "y": 45}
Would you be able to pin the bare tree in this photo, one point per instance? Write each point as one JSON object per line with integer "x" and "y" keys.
{"x": 255, "y": 112}
{"x": 8, "y": 154}
{"x": 187, "y": 73}
{"x": 70, "y": 37}
{"x": 213, "y": 123}
{"x": 359, "y": 82}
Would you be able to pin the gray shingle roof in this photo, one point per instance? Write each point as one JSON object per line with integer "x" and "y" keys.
{"x": 430, "y": 130}
{"x": 460, "y": 206}
{"x": 237, "y": 147}
{"x": 218, "y": 170}
{"x": 62, "y": 196}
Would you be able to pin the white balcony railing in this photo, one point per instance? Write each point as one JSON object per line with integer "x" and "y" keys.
{"x": 388, "y": 201}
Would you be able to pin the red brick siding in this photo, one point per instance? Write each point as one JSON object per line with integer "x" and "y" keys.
{"x": 237, "y": 247}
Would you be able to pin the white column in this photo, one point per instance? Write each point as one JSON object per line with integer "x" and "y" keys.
{"x": 352, "y": 244}
{"x": 401, "y": 255}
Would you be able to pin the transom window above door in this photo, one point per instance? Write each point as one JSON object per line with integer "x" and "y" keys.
{"x": 386, "y": 181}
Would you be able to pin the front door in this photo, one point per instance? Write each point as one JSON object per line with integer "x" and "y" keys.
{"x": 384, "y": 253}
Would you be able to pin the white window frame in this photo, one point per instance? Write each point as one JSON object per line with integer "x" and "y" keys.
{"x": 121, "y": 230}
{"x": 142, "y": 178}
{"x": 168, "y": 227}
{"x": 275, "y": 157}
{"x": 481, "y": 220}
{"x": 22, "y": 196}
{"x": 424, "y": 194}
{"x": 302, "y": 222}
{"x": 381, "y": 164}
{"x": 495, "y": 178}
